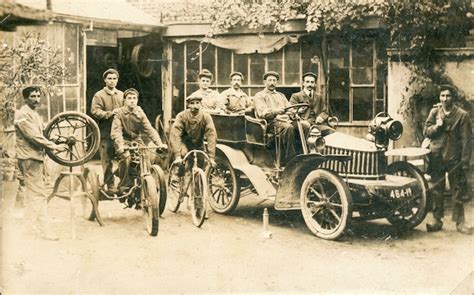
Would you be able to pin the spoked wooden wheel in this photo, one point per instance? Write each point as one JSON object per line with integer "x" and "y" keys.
{"x": 326, "y": 204}
{"x": 224, "y": 187}
{"x": 199, "y": 191}
{"x": 174, "y": 187}
{"x": 92, "y": 188}
{"x": 160, "y": 181}
{"x": 79, "y": 132}
{"x": 150, "y": 205}
{"x": 411, "y": 210}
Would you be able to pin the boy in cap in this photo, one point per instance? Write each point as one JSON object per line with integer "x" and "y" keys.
{"x": 103, "y": 104}
{"x": 317, "y": 112}
{"x": 210, "y": 98}
{"x": 450, "y": 131}
{"x": 129, "y": 124}
{"x": 235, "y": 100}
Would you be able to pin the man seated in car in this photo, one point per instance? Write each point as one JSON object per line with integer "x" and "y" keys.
{"x": 129, "y": 124}
{"x": 234, "y": 99}
{"x": 270, "y": 105}
{"x": 317, "y": 112}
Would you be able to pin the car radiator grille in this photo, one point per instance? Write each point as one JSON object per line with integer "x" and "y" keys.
{"x": 364, "y": 164}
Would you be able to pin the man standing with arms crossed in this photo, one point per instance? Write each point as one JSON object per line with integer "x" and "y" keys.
{"x": 449, "y": 128}
{"x": 104, "y": 103}
{"x": 30, "y": 146}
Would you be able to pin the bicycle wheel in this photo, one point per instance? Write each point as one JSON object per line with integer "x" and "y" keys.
{"x": 160, "y": 182}
{"x": 174, "y": 189}
{"x": 199, "y": 192}
{"x": 150, "y": 205}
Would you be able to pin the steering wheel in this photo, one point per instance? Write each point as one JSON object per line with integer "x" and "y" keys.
{"x": 299, "y": 107}
{"x": 79, "y": 132}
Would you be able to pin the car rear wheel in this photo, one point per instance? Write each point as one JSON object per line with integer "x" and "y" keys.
{"x": 326, "y": 204}
{"x": 224, "y": 187}
{"x": 412, "y": 211}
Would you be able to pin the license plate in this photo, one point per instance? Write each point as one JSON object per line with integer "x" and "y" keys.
{"x": 401, "y": 193}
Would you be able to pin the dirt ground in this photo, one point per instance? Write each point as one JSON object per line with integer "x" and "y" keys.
{"x": 229, "y": 255}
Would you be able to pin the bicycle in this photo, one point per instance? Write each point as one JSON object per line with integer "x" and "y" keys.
{"x": 197, "y": 187}
{"x": 147, "y": 193}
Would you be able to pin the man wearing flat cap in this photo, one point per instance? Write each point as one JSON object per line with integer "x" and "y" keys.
{"x": 210, "y": 98}
{"x": 235, "y": 100}
{"x": 317, "y": 112}
{"x": 270, "y": 105}
{"x": 191, "y": 127}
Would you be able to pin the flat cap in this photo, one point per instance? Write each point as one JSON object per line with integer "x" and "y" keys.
{"x": 194, "y": 97}
{"x": 236, "y": 74}
{"x": 206, "y": 73}
{"x": 130, "y": 90}
{"x": 311, "y": 74}
{"x": 271, "y": 73}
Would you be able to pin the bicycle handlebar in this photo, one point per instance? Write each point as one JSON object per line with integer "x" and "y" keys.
{"x": 192, "y": 152}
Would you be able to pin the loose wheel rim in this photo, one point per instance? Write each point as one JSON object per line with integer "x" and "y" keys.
{"x": 198, "y": 204}
{"x": 223, "y": 187}
{"x": 79, "y": 132}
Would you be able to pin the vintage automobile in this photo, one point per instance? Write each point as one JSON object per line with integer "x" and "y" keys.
{"x": 336, "y": 178}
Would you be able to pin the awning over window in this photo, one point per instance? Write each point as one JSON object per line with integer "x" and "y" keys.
{"x": 246, "y": 44}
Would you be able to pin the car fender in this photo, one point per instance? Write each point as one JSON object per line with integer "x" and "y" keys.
{"x": 291, "y": 180}
{"x": 255, "y": 174}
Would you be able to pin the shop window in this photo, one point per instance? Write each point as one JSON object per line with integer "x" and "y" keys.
{"x": 292, "y": 65}
{"x": 208, "y": 59}
{"x": 257, "y": 68}
{"x": 275, "y": 61}
{"x": 224, "y": 66}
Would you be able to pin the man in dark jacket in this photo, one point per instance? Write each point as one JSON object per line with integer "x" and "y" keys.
{"x": 317, "y": 112}
{"x": 449, "y": 128}
{"x": 103, "y": 104}
{"x": 129, "y": 124}
{"x": 30, "y": 151}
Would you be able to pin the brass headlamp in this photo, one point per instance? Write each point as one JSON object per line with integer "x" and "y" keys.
{"x": 382, "y": 129}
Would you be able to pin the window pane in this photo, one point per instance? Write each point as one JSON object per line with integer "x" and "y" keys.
{"x": 292, "y": 64}
{"x": 178, "y": 79}
{"x": 56, "y": 104}
{"x": 339, "y": 83}
{"x": 362, "y": 101}
{"x": 241, "y": 65}
{"x": 253, "y": 91}
{"x": 362, "y": 76}
{"x": 310, "y": 55}
{"x": 208, "y": 56}
{"x": 275, "y": 61}
{"x": 71, "y": 53}
{"x": 192, "y": 61}
{"x": 257, "y": 69}
{"x": 224, "y": 67}
{"x": 362, "y": 53}
{"x": 72, "y": 98}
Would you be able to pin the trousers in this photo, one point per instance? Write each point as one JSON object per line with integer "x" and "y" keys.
{"x": 35, "y": 191}
{"x": 107, "y": 153}
{"x": 457, "y": 183}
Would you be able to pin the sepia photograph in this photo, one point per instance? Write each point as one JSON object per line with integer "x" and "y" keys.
{"x": 236, "y": 147}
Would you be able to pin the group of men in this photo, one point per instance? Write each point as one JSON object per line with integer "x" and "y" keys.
{"x": 121, "y": 120}
{"x": 267, "y": 104}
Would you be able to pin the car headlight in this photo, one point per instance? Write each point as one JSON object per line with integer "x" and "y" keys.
{"x": 383, "y": 128}
{"x": 315, "y": 141}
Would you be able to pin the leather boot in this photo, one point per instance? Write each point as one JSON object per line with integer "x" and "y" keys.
{"x": 461, "y": 227}
{"x": 437, "y": 225}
